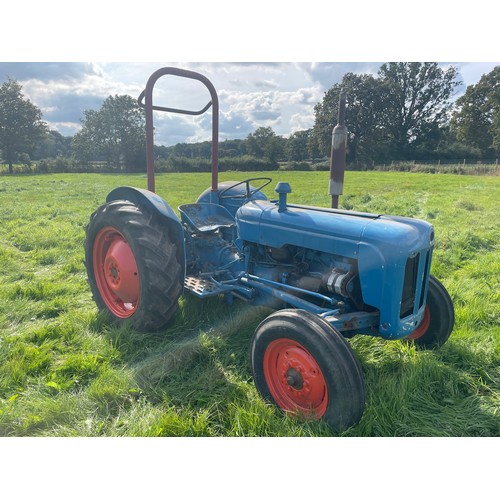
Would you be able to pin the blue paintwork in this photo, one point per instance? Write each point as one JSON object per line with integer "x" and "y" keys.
{"x": 143, "y": 196}
{"x": 261, "y": 222}
{"x": 383, "y": 251}
{"x": 252, "y": 248}
{"x": 230, "y": 204}
{"x": 205, "y": 217}
{"x": 379, "y": 245}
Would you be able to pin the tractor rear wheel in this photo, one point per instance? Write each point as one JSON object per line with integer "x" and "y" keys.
{"x": 132, "y": 265}
{"x": 304, "y": 365}
{"x": 438, "y": 320}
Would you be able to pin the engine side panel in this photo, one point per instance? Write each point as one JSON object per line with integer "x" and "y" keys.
{"x": 261, "y": 222}
{"x": 380, "y": 246}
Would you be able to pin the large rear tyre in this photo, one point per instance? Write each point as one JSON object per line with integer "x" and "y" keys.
{"x": 304, "y": 365}
{"x": 132, "y": 265}
{"x": 439, "y": 318}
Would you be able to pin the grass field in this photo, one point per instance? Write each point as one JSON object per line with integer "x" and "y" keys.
{"x": 66, "y": 371}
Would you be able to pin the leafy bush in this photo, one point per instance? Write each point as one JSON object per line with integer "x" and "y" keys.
{"x": 321, "y": 166}
{"x": 296, "y": 166}
{"x": 25, "y": 159}
{"x": 247, "y": 163}
{"x": 241, "y": 163}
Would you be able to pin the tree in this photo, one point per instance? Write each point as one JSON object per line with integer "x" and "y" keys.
{"x": 52, "y": 145}
{"x": 21, "y": 124}
{"x": 363, "y": 117}
{"x": 264, "y": 143}
{"x": 415, "y": 100}
{"x": 394, "y": 115}
{"x": 477, "y": 119}
{"x": 232, "y": 148}
{"x": 296, "y": 147}
{"x": 115, "y": 133}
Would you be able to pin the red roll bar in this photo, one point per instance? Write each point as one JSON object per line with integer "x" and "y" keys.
{"x": 146, "y": 101}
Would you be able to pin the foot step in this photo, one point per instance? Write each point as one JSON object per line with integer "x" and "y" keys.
{"x": 201, "y": 287}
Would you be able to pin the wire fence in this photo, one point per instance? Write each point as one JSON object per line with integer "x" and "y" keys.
{"x": 457, "y": 166}
{"x": 458, "y": 162}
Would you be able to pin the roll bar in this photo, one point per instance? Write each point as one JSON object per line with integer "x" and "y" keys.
{"x": 145, "y": 100}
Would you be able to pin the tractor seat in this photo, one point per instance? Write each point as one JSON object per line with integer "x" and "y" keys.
{"x": 205, "y": 217}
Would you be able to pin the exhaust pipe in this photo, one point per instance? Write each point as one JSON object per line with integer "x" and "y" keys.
{"x": 337, "y": 159}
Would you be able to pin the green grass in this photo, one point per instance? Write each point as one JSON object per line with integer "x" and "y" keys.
{"x": 66, "y": 371}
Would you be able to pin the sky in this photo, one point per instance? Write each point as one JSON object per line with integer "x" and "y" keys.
{"x": 280, "y": 95}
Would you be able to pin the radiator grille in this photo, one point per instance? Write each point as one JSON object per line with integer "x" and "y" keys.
{"x": 424, "y": 280}
{"x": 409, "y": 286}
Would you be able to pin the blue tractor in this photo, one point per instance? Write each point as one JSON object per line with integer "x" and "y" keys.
{"x": 329, "y": 274}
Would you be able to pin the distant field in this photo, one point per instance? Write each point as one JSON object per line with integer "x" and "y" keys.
{"x": 65, "y": 371}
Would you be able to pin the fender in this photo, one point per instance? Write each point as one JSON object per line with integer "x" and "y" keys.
{"x": 154, "y": 202}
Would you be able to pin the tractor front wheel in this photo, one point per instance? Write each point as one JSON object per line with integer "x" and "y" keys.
{"x": 304, "y": 365}
{"x": 132, "y": 265}
{"x": 438, "y": 320}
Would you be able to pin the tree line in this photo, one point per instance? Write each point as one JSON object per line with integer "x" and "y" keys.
{"x": 404, "y": 112}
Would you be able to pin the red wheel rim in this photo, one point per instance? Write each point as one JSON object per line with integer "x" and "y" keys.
{"x": 423, "y": 327}
{"x": 115, "y": 271}
{"x": 295, "y": 379}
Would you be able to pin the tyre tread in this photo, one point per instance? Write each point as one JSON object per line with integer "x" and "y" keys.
{"x": 161, "y": 273}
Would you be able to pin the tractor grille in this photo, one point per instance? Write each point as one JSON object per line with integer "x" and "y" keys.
{"x": 424, "y": 281}
{"x": 409, "y": 286}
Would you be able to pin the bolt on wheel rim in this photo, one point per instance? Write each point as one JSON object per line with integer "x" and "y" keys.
{"x": 116, "y": 274}
{"x": 295, "y": 379}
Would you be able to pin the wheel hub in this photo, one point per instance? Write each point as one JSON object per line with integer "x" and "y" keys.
{"x": 116, "y": 272}
{"x": 294, "y": 379}
{"x": 120, "y": 271}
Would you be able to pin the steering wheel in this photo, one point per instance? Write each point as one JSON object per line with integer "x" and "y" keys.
{"x": 249, "y": 192}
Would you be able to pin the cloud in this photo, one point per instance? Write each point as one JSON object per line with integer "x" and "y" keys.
{"x": 328, "y": 74}
{"x": 267, "y": 84}
{"x": 61, "y": 102}
{"x": 264, "y": 108}
{"x": 172, "y": 129}
{"x": 70, "y": 107}
{"x": 234, "y": 126}
{"x": 47, "y": 71}
{"x": 67, "y": 129}
{"x": 251, "y": 94}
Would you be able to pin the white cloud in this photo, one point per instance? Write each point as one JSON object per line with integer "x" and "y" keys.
{"x": 251, "y": 94}
{"x": 330, "y": 73}
{"x": 172, "y": 129}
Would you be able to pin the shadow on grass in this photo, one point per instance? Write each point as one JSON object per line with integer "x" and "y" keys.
{"x": 201, "y": 362}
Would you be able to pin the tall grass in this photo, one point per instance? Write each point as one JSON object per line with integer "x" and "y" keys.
{"x": 66, "y": 371}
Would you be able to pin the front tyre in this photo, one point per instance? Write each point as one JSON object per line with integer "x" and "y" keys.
{"x": 132, "y": 265}
{"x": 305, "y": 366}
{"x": 439, "y": 318}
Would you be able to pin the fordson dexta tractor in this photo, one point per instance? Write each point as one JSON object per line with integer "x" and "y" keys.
{"x": 328, "y": 273}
